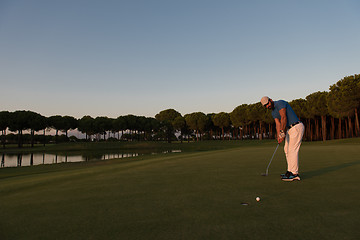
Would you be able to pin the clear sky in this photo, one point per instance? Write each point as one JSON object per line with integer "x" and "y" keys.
{"x": 119, "y": 57}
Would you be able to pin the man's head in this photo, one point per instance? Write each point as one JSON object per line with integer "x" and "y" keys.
{"x": 266, "y": 102}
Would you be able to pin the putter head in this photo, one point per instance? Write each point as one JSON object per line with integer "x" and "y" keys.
{"x": 264, "y": 174}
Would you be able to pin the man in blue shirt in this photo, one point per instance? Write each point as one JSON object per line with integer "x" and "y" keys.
{"x": 289, "y": 129}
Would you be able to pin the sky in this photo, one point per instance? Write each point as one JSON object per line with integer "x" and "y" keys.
{"x": 119, "y": 57}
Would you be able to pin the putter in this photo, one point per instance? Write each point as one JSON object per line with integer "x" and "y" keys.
{"x": 267, "y": 169}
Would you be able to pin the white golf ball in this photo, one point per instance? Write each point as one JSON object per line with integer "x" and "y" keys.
{"x": 257, "y": 199}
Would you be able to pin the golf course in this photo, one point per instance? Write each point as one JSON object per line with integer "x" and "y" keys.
{"x": 199, "y": 193}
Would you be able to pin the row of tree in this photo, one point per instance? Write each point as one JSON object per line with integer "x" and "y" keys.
{"x": 326, "y": 115}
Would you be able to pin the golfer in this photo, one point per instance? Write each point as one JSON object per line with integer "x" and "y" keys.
{"x": 290, "y": 129}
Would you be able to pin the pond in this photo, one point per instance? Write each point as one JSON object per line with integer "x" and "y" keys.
{"x": 32, "y": 159}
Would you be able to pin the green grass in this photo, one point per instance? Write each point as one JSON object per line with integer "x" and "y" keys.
{"x": 189, "y": 195}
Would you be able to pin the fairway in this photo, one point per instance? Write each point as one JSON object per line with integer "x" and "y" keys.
{"x": 194, "y": 195}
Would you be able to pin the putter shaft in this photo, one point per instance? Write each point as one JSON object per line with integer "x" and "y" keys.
{"x": 267, "y": 169}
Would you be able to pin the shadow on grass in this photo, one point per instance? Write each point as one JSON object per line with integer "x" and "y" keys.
{"x": 322, "y": 171}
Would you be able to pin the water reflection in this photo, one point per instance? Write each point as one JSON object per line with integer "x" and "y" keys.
{"x": 31, "y": 159}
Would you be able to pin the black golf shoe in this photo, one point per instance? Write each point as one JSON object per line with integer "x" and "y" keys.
{"x": 285, "y": 174}
{"x": 289, "y": 177}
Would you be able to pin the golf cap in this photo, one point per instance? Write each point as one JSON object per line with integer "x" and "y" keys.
{"x": 264, "y": 100}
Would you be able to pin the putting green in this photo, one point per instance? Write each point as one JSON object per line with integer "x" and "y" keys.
{"x": 188, "y": 196}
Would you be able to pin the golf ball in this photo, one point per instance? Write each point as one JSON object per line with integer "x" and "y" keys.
{"x": 257, "y": 199}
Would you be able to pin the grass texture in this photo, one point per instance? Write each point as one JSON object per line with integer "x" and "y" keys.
{"x": 188, "y": 195}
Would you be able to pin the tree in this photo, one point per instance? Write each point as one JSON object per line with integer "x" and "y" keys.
{"x": 19, "y": 121}
{"x": 256, "y": 113}
{"x": 349, "y": 88}
{"x": 102, "y": 125}
{"x": 131, "y": 123}
{"x": 197, "y": 122}
{"x": 151, "y": 126}
{"x": 221, "y": 120}
{"x": 269, "y": 120}
{"x": 179, "y": 124}
{"x": 86, "y": 125}
{"x": 166, "y": 118}
{"x": 264, "y": 117}
{"x": 69, "y": 123}
{"x": 239, "y": 118}
{"x": 317, "y": 104}
{"x": 334, "y": 106}
{"x": 344, "y": 100}
{"x": 154, "y": 125}
{"x": 142, "y": 123}
{"x": 37, "y": 122}
{"x": 119, "y": 124}
{"x": 210, "y": 127}
{"x": 4, "y": 124}
{"x": 56, "y": 122}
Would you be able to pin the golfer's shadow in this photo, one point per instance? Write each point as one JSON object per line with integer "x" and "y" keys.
{"x": 326, "y": 170}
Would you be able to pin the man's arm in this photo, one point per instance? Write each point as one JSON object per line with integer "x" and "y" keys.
{"x": 278, "y": 128}
{"x": 283, "y": 119}
{"x": 281, "y": 125}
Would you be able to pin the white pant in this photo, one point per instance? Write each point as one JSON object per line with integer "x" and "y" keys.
{"x": 292, "y": 146}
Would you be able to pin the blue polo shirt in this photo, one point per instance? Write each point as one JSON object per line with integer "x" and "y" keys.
{"x": 290, "y": 114}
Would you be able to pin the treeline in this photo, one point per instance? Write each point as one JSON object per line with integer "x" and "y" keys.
{"x": 327, "y": 115}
